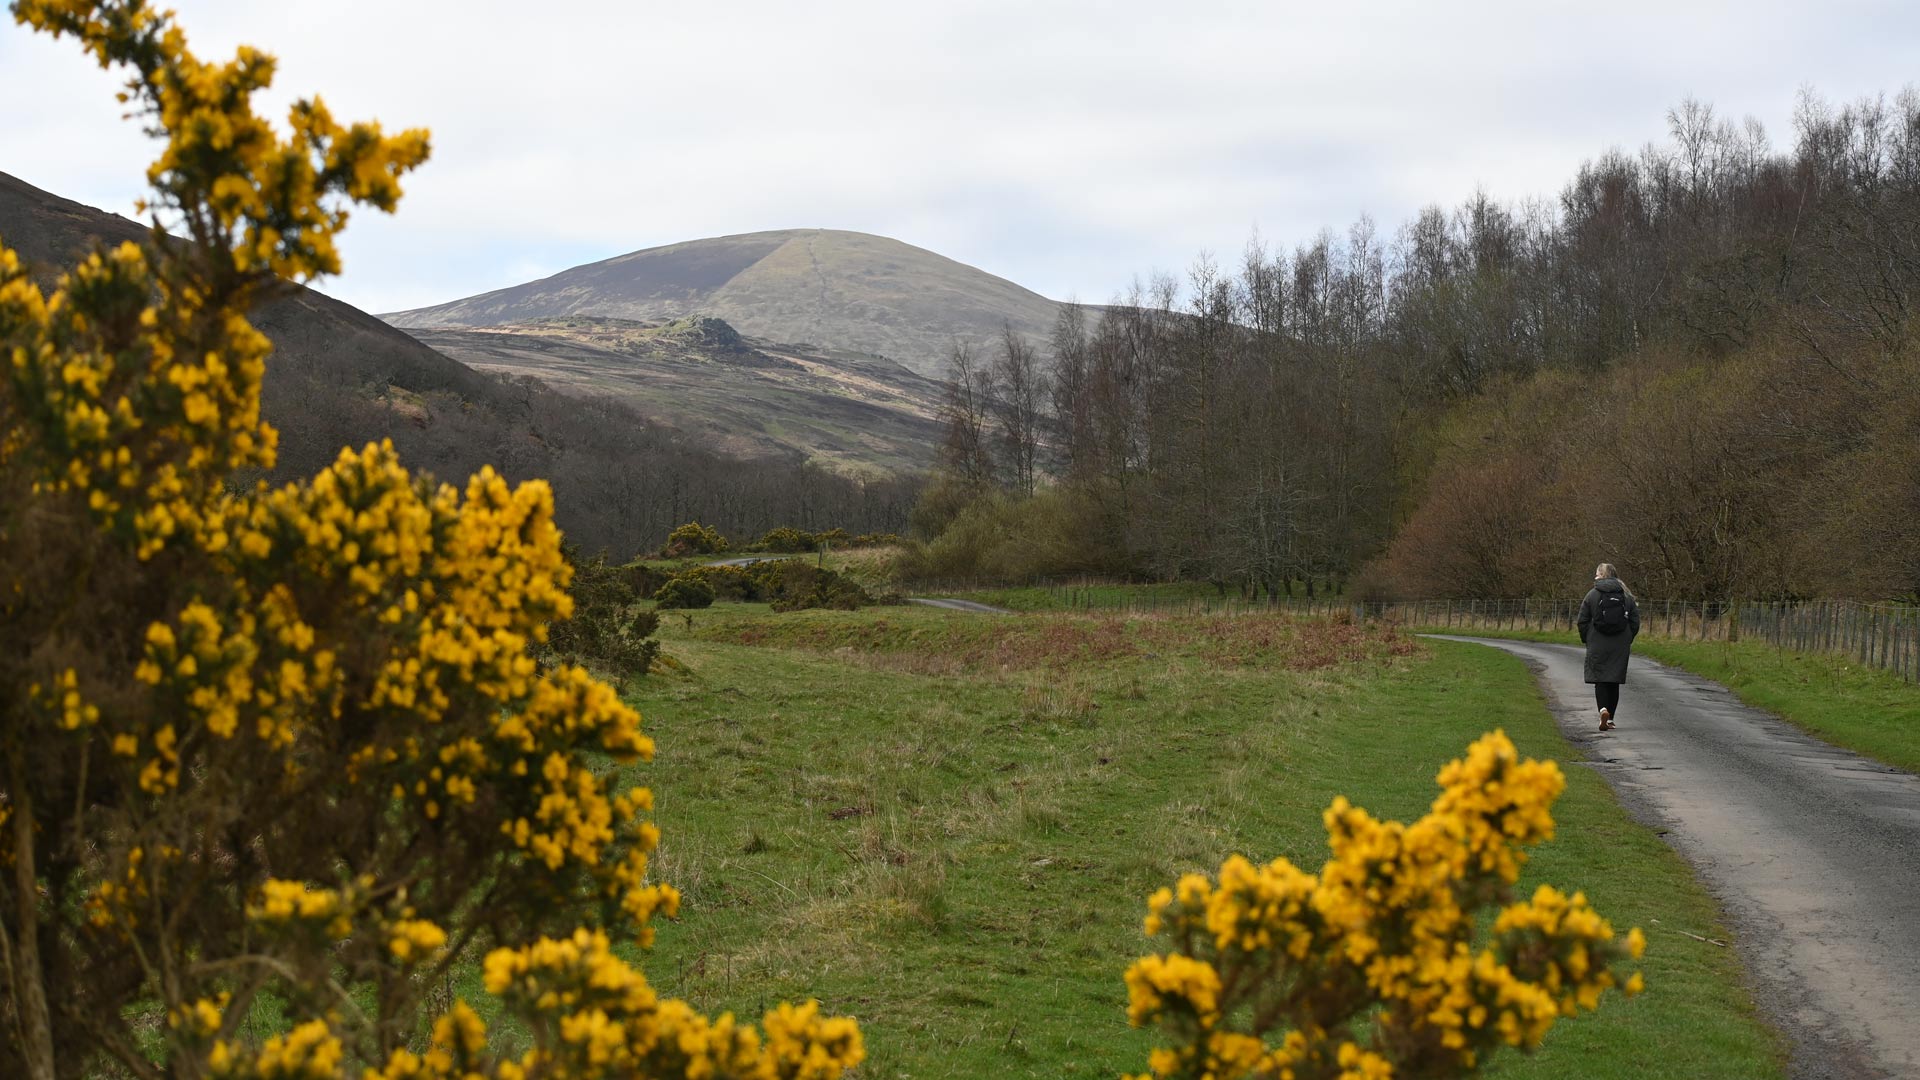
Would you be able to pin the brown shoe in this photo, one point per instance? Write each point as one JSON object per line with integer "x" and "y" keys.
{"x": 1606, "y": 720}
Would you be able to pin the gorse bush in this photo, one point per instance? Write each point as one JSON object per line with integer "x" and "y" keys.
{"x": 693, "y": 538}
{"x": 1371, "y": 968}
{"x": 274, "y": 760}
{"x": 786, "y": 584}
{"x": 737, "y": 583}
{"x": 795, "y": 584}
{"x": 787, "y": 541}
{"x": 610, "y": 629}
{"x": 643, "y": 580}
{"x": 684, "y": 592}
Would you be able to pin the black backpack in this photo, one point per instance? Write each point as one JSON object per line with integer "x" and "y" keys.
{"x": 1610, "y": 617}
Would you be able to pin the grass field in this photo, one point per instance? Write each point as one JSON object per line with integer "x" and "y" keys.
{"x": 946, "y": 825}
{"x": 1866, "y": 710}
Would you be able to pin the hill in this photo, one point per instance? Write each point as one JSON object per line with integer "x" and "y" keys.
{"x": 825, "y": 288}
{"x": 738, "y": 396}
{"x": 339, "y": 376}
{"x": 313, "y": 334}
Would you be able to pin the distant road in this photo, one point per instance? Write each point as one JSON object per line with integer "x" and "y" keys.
{"x": 1814, "y": 851}
{"x": 959, "y": 605}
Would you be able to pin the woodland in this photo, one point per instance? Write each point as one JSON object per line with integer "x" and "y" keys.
{"x": 1697, "y": 362}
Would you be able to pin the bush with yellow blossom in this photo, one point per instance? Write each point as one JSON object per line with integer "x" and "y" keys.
{"x": 1373, "y": 968}
{"x": 272, "y": 760}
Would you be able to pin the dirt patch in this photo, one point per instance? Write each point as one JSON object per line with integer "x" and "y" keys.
{"x": 1062, "y": 642}
{"x": 1299, "y": 644}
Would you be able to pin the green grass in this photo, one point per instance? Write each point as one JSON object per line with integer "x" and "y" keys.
{"x": 1873, "y": 712}
{"x": 1866, "y": 710}
{"x": 946, "y": 825}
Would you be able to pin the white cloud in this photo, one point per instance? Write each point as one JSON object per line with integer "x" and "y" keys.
{"x": 1066, "y": 146}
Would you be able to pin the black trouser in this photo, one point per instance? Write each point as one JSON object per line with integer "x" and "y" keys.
{"x": 1608, "y": 695}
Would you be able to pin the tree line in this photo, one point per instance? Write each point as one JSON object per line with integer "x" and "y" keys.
{"x": 620, "y": 481}
{"x": 1697, "y": 362}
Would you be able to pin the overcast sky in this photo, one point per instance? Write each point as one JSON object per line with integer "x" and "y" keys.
{"x": 1068, "y": 147}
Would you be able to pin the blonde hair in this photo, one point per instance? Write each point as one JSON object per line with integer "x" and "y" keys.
{"x": 1606, "y": 570}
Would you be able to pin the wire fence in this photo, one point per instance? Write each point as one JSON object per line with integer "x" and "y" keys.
{"x": 1884, "y": 636}
{"x": 1872, "y": 635}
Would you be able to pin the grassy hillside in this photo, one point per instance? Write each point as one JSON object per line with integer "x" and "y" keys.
{"x": 314, "y": 336}
{"x": 739, "y": 396}
{"x": 819, "y": 288}
{"x": 947, "y": 825}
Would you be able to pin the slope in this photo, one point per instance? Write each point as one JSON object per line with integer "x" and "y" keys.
{"x": 313, "y": 334}
{"x": 738, "y": 396}
{"x": 819, "y": 288}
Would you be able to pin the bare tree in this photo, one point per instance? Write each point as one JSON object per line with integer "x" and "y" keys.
{"x": 966, "y": 452}
{"x": 1019, "y": 406}
{"x": 1072, "y": 394}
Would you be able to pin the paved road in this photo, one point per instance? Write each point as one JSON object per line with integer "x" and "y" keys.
{"x": 959, "y": 605}
{"x": 1814, "y": 851}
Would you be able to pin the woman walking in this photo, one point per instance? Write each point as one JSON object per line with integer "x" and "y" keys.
{"x": 1609, "y": 621}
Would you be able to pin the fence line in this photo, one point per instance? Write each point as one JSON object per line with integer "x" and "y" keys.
{"x": 1872, "y": 635}
{"x": 1885, "y": 636}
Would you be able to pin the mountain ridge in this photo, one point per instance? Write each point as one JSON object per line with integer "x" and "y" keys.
{"x": 310, "y": 330}
{"x": 829, "y": 289}
{"x": 742, "y": 396}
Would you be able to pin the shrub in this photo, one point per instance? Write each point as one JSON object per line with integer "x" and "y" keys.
{"x": 787, "y": 541}
{"x": 940, "y": 502}
{"x": 727, "y": 582}
{"x": 643, "y": 580}
{"x": 795, "y": 584}
{"x": 273, "y": 761}
{"x": 609, "y": 630}
{"x": 693, "y": 538}
{"x": 999, "y": 539}
{"x": 786, "y": 584}
{"x": 683, "y": 592}
{"x": 1374, "y": 968}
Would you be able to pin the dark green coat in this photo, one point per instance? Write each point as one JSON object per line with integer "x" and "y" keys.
{"x": 1607, "y": 653}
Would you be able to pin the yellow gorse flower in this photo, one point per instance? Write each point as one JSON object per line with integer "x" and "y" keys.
{"x": 612, "y": 1024}
{"x": 357, "y": 639}
{"x": 1274, "y": 972}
